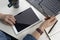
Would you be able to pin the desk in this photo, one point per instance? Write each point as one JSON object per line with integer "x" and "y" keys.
{"x": 23, "y": 6}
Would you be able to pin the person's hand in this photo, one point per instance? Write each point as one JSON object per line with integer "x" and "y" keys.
{"x": 47, "y": 23}
{"x": 9, "y": 19}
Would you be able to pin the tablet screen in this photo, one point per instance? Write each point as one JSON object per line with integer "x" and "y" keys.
{"x": 25, "y": 19}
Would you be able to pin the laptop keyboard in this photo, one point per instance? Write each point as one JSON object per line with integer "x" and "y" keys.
{"x": 50, "y": 7}
{"x": 53, "y": 5}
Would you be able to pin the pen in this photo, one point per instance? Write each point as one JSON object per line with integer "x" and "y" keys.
{"x": 52, "y": 27}
{"x": 47, "y": 34}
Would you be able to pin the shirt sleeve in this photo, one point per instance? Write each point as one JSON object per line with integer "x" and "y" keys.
{"x": 2, "y": 36}
{"x": 29, "y": 37}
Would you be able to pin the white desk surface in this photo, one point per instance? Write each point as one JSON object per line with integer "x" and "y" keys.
{"x": 23, "y": 6}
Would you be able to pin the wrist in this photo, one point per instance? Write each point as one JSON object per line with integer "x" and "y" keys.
{"x": 39, "y": 30}
{"x": 42, "y": 29}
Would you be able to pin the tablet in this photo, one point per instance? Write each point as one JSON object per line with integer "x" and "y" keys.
{"x": 25, "y": 20}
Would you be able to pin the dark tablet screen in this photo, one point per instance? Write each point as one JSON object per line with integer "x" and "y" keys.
{"x": 25, "y": 19}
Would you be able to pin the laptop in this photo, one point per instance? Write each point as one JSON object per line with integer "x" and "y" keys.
{"x": 46, "y": 7}
{"x": 25, "y": 20}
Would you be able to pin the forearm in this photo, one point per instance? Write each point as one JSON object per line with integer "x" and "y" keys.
{"x": 36, "y": 34}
